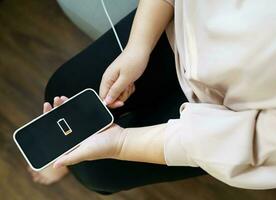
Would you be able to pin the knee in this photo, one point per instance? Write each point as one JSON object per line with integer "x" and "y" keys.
{"x": 52, "y": 87}
{"x": 98, "y": 176}
{"x": 62, "y": 83}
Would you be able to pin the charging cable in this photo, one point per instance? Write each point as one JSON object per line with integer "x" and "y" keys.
{"x": 112, "y": 26}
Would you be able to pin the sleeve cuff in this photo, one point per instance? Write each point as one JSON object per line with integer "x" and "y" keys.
{"x": 206, "y": 132}
{"x": 175, "y": 152}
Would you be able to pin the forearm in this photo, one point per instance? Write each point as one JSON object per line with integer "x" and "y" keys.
{"x": 150, "y": 21}
{"x": 144, "y": 144}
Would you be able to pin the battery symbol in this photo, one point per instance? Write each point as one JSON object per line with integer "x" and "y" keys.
{"x": 63, "y": 125}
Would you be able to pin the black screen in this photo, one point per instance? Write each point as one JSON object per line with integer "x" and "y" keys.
{"x": 63, "y": 128}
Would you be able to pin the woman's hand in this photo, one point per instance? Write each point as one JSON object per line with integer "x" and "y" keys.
{"x": 142, "y": 144}
{"x": 117, "y": 82}
{"x": 106, "y": 144}
{"x": 149, "y": 22}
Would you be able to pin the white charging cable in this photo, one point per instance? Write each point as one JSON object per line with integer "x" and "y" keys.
{"x": 112, "y": 26}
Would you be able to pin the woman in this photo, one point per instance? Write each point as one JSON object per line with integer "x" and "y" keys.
{"x": 224, "y": 54}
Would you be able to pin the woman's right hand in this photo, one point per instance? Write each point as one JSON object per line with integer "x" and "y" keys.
{"x": 117, "y": 82}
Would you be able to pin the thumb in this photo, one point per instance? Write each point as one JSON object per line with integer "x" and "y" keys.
{"x": 75, "y": 156}
{"x": 116, "y": 89}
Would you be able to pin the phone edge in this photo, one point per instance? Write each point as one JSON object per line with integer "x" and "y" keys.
{"x": 33, "y": 120}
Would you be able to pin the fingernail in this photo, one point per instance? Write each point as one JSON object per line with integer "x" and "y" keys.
{"x": 120, "y": 103}
{"x": 108, "y": 99}
{"x": 63, "y": 98}
{"x": 56, "y": 98}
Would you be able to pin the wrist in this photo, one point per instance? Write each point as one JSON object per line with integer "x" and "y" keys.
{"x": 139, "y": 50}
{"x": 116, "y": 138}
{"x": 143, "y": 144}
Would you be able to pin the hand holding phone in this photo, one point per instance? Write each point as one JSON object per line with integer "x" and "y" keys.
{"x": 106, "y": 145}
{"x": 57, "y": 132}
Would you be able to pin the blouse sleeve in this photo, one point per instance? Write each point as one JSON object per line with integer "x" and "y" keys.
{"x": 238, "y": 148}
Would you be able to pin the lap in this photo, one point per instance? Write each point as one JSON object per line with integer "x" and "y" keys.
{"x": 110, "y": 176}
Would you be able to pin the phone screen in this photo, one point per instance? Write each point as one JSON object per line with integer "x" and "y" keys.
{"x": 52, "y": 134}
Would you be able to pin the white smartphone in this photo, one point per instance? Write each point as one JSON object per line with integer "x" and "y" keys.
{"x": 57, "y": 132}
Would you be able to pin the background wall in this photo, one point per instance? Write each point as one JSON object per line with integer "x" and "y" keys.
{"x": 90, "y": 17}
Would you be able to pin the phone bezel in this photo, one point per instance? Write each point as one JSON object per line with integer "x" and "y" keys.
{"x": 35, "y": 119}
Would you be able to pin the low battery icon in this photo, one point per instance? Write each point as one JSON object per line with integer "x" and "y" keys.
{"x": 63, "y": 125}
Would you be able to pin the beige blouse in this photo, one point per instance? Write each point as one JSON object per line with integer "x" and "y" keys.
{"x": 225, "y": 54}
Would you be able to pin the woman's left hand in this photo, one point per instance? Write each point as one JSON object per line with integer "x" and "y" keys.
{"x": 106, "y": 144}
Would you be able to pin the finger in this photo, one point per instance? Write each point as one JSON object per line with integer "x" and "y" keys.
{"x": 132, "y": 88}
{"x": 123, "y": 97}
{"x": 116, "y": 89}
{"x": 73, "y": 157}
{"x": 47, "y": 107}
{"x": 116, "y": 104}
{"x": 63, "y": 98}
{"x": 126, "y": 93}
{"x": 58, "y": 102}
{"x": 56, "y": 99}
{"x": 107, "y": 81}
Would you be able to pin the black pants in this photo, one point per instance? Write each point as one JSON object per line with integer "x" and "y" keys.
{"x": 156, "y": 100}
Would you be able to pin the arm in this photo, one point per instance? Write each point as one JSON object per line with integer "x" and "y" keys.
{"x": 150, "y": 20}
{"x": 236, "y": 147}
{"x": 143, "y": 144}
